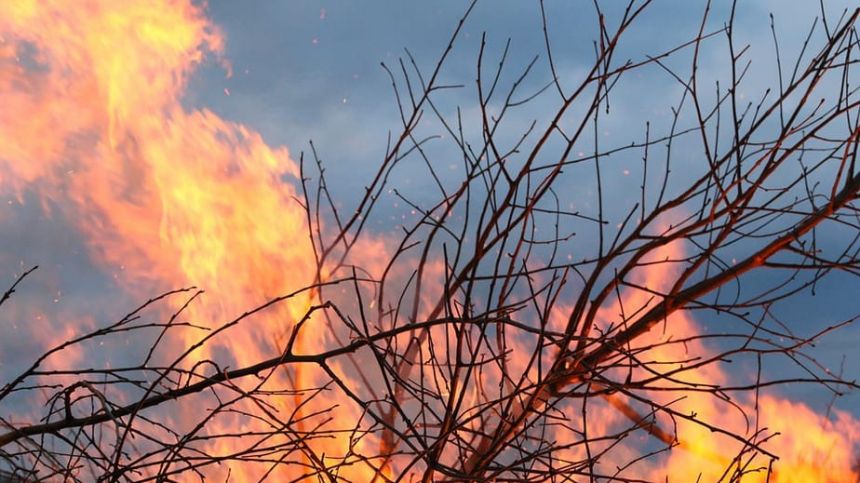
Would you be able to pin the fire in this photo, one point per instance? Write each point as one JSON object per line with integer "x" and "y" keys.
{"x": 810, "y": 446}
{"x": 93, "y": 120}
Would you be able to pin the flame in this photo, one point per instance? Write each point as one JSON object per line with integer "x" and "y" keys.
{"x": 810, "y": 446}
{"x": 93, "y": 121}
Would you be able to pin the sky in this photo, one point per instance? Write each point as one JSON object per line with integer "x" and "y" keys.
{"x": 302, "y": 71}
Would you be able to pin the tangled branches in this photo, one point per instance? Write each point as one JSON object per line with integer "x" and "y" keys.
{"x": 534, "y": 320}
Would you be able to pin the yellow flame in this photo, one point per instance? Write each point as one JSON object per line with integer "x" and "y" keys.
{"x": 93, "y": 120}
{"x": 810, "y": 446}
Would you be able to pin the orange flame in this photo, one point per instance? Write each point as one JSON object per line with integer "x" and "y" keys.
{"x": 811, "y": 447}
{"x": 92, "y": 118}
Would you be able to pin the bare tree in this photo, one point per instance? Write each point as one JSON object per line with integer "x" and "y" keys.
{"x": 533, "y": 321}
